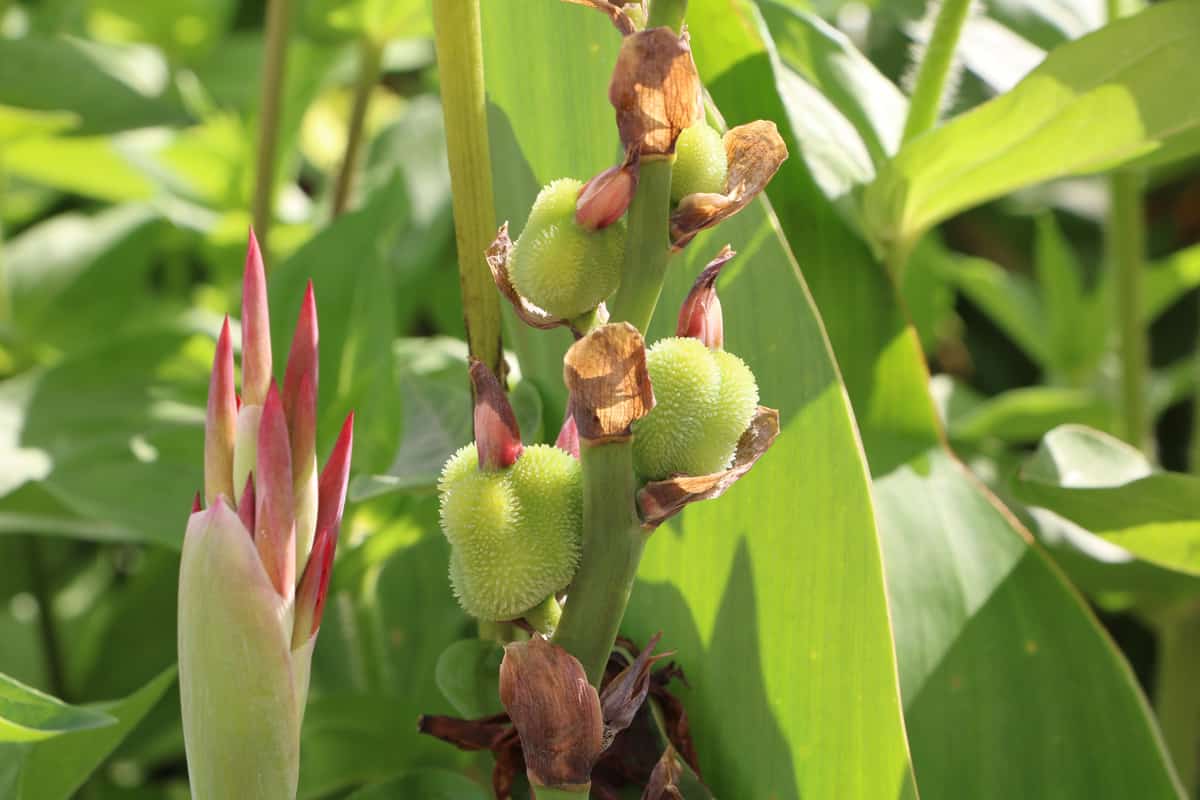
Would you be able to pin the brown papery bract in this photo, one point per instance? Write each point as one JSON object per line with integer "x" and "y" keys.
{"x": 754, "y": 153}
{"x": 655, "y": 90}
{"x": 614, "y": 11}
{"x": 606, "y": 375}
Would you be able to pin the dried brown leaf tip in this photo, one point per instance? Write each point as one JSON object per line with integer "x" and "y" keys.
{"x": 754, "y": 153}
{"x": 625, "y": 693}
{"x": 497, "y": 257}
{"x": 606, "y": 375}
{"x": 656, "y": 91}
{"x": 555, "y": 710}
{"x": 658, "y": 501}
{"x": 663, "y": 784}
{"x": 622, "y": 15}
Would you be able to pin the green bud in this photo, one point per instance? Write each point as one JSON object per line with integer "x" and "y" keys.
{"x": 704, "y": 401}
{"x": 515, "y": 532}
{"x": 700, "y": 163}
{"x": 559, "y": 265}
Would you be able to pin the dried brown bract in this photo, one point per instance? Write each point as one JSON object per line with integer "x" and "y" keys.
{"x": 624, "y": 694}
{"x": 663, "y": 780}
{"x": 555, "y": 710}
{"x": 658, "y": 501}
{"x": 656, "y": 91}
{"x": 754, "y": 153}
{"x": 606, "y": 375}
{"x": 617, "y": 12}
{"x": 497, "y": 257}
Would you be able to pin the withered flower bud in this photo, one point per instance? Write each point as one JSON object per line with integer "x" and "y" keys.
{"x": 556, "y": 712}
{"x": 605, "y": 198}
{"x": 655, "y": 90}
{"x": 624, "y": 17}
{"x": 700, "y": 315}
{"x": 625, "y": 693}
{"x": 664, "y": 780}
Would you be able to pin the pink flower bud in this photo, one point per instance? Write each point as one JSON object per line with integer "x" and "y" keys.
{"x": 246, "y": 507}
{"x": 568, "y": 435}
{"x": 604, "y": 199}
{"x": 331, "y": 489}
{"x": 314, "y": 584}
{"x": 274, "y": 526}
{"x": 497, "y": 436}
{"x": 700, "y": 316}
{"x": 220, "y": 424}
{"x": 256, "y": 328}
{"x": 302, "y": 358}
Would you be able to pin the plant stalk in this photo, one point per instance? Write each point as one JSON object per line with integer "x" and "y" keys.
{"x": 274, "y": 60}
{"x": 667, "y": 13}
{"x": 1126, "y": 246}
{"x": 56, "y": 675}
{"x": 371, "y": 59}
{"x": 647, "y": 246}
{"x": 613, "y": 540}
{"x": 459, "y": 44}
{"x": 1177, "y": 693}
{"x": 936, "y": 66}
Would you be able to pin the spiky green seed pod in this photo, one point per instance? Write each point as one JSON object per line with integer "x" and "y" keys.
{"x": 700, "y": 164}
{"x": 704, "y": 401}
{"x": 515, "y": 533}
{"x": 559, "y": 265}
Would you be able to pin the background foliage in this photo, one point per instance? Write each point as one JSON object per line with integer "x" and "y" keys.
{"x": 964, "y": 585}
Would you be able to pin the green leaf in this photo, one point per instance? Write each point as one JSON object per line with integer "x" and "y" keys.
{"x": 57, "y": 768}
{"x": 428, "y": 784}
{"x": 184, "y": 29}
{"x": 1000, "y": 662}
{"x": 468, "y": 673}
{"x": 1110, "y": 489}
{"x": 1024, "y": 415}
{"x": 1076, "y": 341}
{"x": 378, "y": 20}
{"x": 748, "y": 599}
{"x": 1128, "y": 85}
{"x": 21, "y": 123}
{"x": 107, "y": 88}
{"x": 27, "y": 715}
{"x": 1167, "y": 282}
{"x": 93, "y": 166}
{"x": 348, "y": 263}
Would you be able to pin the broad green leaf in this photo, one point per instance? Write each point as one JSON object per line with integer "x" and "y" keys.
{"x": 109, "y": 89}
{"x": 1077, "y": 319}
{"x": 92, "y": 166}
{"x": 1110, "y": 489}
{"x": 428, "y": 784}
{"x": 1024, "y": 415}
{"x": 1119, "y": 94}
{"x": 184, "y": 29}
{"x": 468, "y": 673}
{"x": 1170, "y": 280}
{"x": 1000, "y": 662}
{"x": 348, "y": 263}
{"x": 378, "y": 20}
{"x": 21, "y": 123}
{"x": 27, "y": 715}
{"x": 54, "y": 770}
{"x": 782, "y": 630}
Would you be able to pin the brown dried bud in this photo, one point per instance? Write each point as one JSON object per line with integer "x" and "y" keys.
{"x": 658, "y": 501}
{"x": 754, "y": 153}
{"x": 625, "y": 693}
{"x": 663, "y": 784}
{"x": 606, "y": 375}
{"x": 618, "y": 13}
{"x": 497, "y": 436}
{"x": 656, "y": 91}
{"x": 700, "y": 316}
{"x": 555, "y": 711}
{"x": 605, "y": 198}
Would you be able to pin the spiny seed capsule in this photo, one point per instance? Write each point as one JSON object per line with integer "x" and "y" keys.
{"x": 514, "y": 532}
{"x": 559, "y": 265}
{"x": 704, "y": 401}
{"x": 700, "y": 163}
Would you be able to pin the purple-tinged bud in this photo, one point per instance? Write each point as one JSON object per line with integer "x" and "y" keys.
{"x": 246, "y": 508}
{"x": 302, "y": 426}
{"x": 700, "y": 316}
{"x": 604, "y": 199}
{"x": 497, "y": 436}
{"x": 196, "y": 507}
{"x": 256, "y": 328}
{"x": 274, "y": 525}
{"x": 568, "y": 435}
{"x": 220, "y": 424}
{"x": 302, "y": 358}
{"x": 331, "y": 491}
{"x": 314, "y": 584}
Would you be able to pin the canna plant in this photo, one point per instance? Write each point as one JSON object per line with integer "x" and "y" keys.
{"x": 256, "y": 563}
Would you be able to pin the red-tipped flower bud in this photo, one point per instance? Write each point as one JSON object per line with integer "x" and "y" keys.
{"x": 220, "y": 424}
{"x": 274, "y": 525}
{"x": 568, "y": 435}
{"x": 256, "y": 328}
{"x": 604, "y": 199}
{"x": 302, "y": 358}
{"x": 246, "y": 506}
{"x": 331, "y": 492}
{"x": 314, "y": 584}
{"x": 497, "y": 437}
{"x": 700, "y": 316}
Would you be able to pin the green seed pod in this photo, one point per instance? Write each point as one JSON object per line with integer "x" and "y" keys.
{"x": 700, "y": 163}
{"x": 515, "y": 533}
{"x": 704, "y": 401}
{"x": 559, "y": 265}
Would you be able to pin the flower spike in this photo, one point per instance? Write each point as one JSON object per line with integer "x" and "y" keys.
{"x": 220, "y": 424}
{"x": 302, "y": 358}
{"x": 700, "y": 317}
{"x": 314, "y": 585}
{"x": 497, "y": 436}
{"x": 274, "y": 525}
{"x": 331, "y": 490}
{"x": 256, "y": 328}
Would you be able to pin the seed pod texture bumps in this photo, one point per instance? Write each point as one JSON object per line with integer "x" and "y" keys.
{"x": 700, "y": 163}
{"x": 704, "y": 401}
{"x": 560, "y": 266}
{"x": 515, "y": 533}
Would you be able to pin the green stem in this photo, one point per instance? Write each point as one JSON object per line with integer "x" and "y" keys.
{"x": 545, "y": 615}
{"x": 612, "y": 547}
{"x": 647, "y": 246}
{"x": 47, "y": 625}
{"x": 371, "y": 58}
{"x": 1177, "y": 693}
{"x": 274, "y": 59}
{"x": 1126, "y": 246}
{"x": 936, "y": 64}
{"x": 5, "y": 298}
{"x": 459, "y": 43}
{"x": 667, "y": 13}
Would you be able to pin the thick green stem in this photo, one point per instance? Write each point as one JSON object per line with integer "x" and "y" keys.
{"x": 274, "y": 60}
{"x": 667, "y": 13}
{"x": 935, "y": 68}
{"x": 612, "y": 547}
{"x": 1177, "y": 693}
{"x": 459, "y": 43}
{"x": 1126, "y": 247}
{"x": 647, "y": 246}
{"x": 371, "y": 57}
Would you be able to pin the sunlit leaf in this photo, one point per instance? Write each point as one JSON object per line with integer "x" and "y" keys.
{"x": 27, "y": 715}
